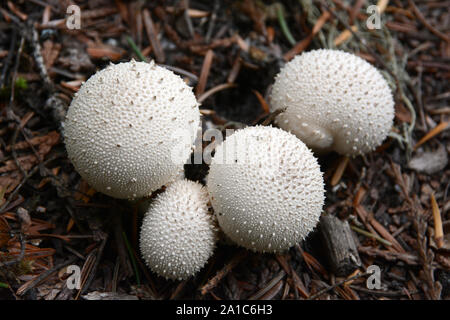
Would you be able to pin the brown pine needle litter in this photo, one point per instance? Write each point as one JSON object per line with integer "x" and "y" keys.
{"x": 347, "y": 34}
{"x": 303, "y": 44}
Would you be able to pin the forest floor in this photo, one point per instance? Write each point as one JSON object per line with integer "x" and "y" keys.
{"x": 396, "y": 199}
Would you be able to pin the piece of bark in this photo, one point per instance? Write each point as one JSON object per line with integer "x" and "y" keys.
{"x": 340, "y": 244}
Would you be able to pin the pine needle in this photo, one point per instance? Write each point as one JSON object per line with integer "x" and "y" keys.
{"x": 433, "y": 132}
{"x": 438, "y": 230}
{"x": 133, "y": 260}
{"x": 284, "y": 27}
{"x": 136, "y": 50}
{"x": 371, "y": 235}
{"x": 339, "y": 171}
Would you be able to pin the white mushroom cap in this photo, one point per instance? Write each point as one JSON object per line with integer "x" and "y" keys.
{"x": 178, "y": 233}
{"x": 335, "y": 101}
{"x": 266, "y": 188}
{"x": 120, "y": 128}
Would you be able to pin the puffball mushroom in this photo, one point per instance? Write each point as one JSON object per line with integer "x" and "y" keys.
{"x": 178, "y": 233}
{"x": 119, "y": 129}
{"x": 266, "y": 188}
{"x": 334, "y": 100}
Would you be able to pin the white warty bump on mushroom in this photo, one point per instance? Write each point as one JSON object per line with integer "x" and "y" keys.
{"x": 123, "y": 128}
{"x": 178, "y": 233}
{"x": 334, "y": 100}
{"x": 266, "y": 188}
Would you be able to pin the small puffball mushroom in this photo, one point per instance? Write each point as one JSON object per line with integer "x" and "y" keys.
{"x": 121, "y": 128}
{"x": 178, "y": 233}
{"x": 266, "y": 188}
{"x": 334, "y": 100}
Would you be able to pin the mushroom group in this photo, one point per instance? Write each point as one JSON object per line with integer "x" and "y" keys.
{"x": 264, "y": 188}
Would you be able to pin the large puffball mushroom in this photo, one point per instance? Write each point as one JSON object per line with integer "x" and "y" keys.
{"x": 123, "y": 128}
{"x": 266, "y": 188}
{"x": 335, "y": 101}
{"x": 178, "y": 233}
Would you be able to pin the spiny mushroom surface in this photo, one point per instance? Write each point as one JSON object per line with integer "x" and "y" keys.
{"x": 334, "y": 100}
{"x": 178, "y": 233}
{"x": 266, "y": 188}
{"x": 119, "y": 129}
